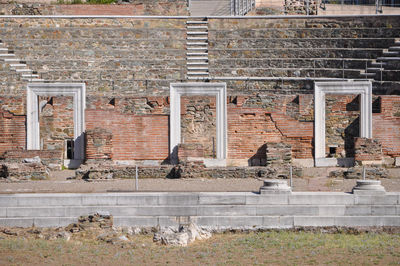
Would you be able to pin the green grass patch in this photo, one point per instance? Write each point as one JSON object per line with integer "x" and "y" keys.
{"x": 256, "y": 248}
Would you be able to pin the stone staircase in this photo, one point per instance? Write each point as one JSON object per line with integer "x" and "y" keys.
{"x": 207, "y": 209}
{"x": 385, "y": 67}
{"x": 18, "y": 65}
{"x": 197, "y": 49}
{"x": 200, "y": 8}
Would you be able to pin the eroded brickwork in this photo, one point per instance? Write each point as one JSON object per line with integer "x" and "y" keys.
{"x": 367, "y": 150}
{"x": 386, "y": 125}
{"x": 198, "y": 123}
{"x": 12, "y": 132}
{"x": 342, "y": 124}
{"x": 56, "y": 118}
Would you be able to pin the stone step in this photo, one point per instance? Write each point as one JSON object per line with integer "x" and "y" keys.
{"x": 197, "y": 73}
{"x": 33, "y": 79}
{"x": 197, "y": 48}
{"x": 3, "y": 49}
{"x": 197, "y": 22}
{"x": 198, "y": 27}
{"x": 197, "y": 68}
{"x": 394, "y": 48}
{"x": 197, "y": 54}
{"x": 374, "y": 69}
{"x": 196, "y": 63}
{"x": 194, "y": 33}
{"x": 7, "y": 55}
{"x": 30, "y": 75}
{"x": 367, "y": 74}
{"x": 199, "y": 210}
{"x": 229, "y": 222}
{"x": 9, "y": 60}
{"x": 197, "y": 43}
{"x": 197, "y": 38}
{"x": 17, "y": 65}
{"x": 196, "y": 58}
{"x": 23, "y": 70}
{"x": 378, "y": 64}
{"x": 390, "y": 53}
{"x": 387, "y": 58}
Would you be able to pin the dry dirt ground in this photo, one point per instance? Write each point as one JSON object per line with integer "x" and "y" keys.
{"x": 60, "y": 182}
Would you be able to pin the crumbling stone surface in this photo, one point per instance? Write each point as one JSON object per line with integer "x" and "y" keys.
{"x": 192, "y": 169}
{"x": 25, "y": 9}
{"x": 107, "y": 170}
{"x": 31, "y": 170}
{"x": 198, "y": 123}
{"x": 96, "y": 220}
{"x": 366, "y": 149}
{"x": 98, "y": 143}
{"x": 190, "y": 150}
{"x": 357, "y": 173}
{"x": 46, "y": 157}
{"x": 300, "y": 7}
{"x": 278, "y": 154}
{"x": 185, "y": 235}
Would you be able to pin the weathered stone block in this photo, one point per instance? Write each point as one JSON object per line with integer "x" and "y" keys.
{"x": 367, "y": 150}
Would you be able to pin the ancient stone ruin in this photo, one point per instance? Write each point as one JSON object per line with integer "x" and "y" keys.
{"x": 183, "y": 96}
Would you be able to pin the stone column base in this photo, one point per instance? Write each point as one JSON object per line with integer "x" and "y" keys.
{"x": 369, "y": 187}
{"x": 277, "y": 186}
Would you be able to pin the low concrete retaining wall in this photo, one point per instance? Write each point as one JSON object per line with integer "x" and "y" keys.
{"x": 215, "y": 210}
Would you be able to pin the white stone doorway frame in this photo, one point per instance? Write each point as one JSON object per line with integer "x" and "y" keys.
{"x": 78, "y": 92}
{"x": 363, "y": 88}
{"x": 193, "y": 89}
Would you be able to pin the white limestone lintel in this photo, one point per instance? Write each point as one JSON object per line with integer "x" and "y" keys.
{"x": 198, "y": 88}
{"x": 363, "y": 88}
{"x": 77, "y": 91}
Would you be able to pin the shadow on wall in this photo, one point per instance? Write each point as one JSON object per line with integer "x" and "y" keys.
{"x": 260, "y": 157}
{"x": 350, "y": 133}
{"x": 353, "y": 130}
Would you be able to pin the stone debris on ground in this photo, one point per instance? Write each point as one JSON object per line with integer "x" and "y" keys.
{"x": 99, "y": 226}
{"x": 185, "y": 235}
{"x": 357, "y": 173}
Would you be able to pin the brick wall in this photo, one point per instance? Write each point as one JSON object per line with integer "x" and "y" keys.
{"x": 386, "y": 125}
{"x": 49, "y": 154}
{"x": 250, "y": 128}
{"x": 12, "y": 131}
{"x": 129, "y": 63}
{"x": 56, "y": 120}
{"x": 98, "y": 144}
{"x": 192, "y": 150}
{"x": 134, "y": 137}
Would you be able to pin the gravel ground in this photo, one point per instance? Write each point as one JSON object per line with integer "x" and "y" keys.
{"x": 59, "y": 183}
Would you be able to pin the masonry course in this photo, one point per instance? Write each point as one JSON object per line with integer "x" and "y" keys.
{"x": 213, "y": 210}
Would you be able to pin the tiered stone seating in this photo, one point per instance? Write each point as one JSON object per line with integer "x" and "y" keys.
{"x": 331, "y": 48}
{"x": 114, "y": 54}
